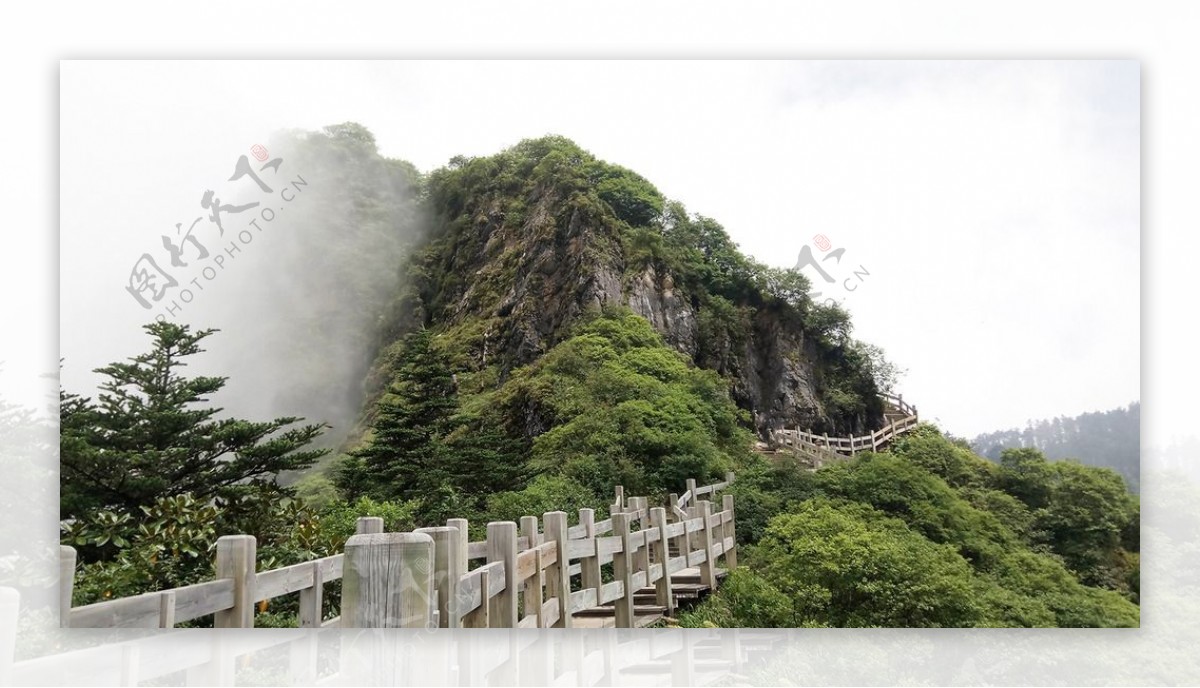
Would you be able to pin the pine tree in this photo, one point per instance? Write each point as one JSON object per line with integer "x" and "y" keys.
{"x": 406, "y": 456}
{"x": 151, "y": 434}
{"x": 423, "y": 447}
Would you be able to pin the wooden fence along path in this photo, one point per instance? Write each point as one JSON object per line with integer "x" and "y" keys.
{"x": 540, "y": 573}
{"x": 365, "y": 657}
{"x": 899, "y": 417}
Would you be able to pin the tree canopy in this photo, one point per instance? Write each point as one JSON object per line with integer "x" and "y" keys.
{"x": 152, "y": 434}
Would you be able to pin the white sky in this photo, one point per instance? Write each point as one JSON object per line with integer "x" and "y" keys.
{"x": 994, "y": 204}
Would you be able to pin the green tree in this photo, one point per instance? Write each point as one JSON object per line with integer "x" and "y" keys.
{"x": 852, "y": 566}
{"x": 744, "y": 600}
{"x": 424, "y": 447}
{"x": 1088, "y": 513}
{"x": 406, "y": 456}
{"x": 151, "y": 435}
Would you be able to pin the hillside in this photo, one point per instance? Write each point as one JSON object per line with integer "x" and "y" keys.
{"x": 525, "y": 242}
{"x": 1108, "y": 439}
{"x": 523, "y": 333}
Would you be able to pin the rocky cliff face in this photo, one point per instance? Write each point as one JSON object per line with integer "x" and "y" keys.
{"x": 768, "y": 371}
{"x": 511, "y": 265}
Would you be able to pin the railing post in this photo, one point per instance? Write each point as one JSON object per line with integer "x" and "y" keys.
{"x": 502, "y": 547}
{"x": 448, "y": 569}
{"x": 558, "y": 577}
{"x": 478, "y": 617}
{"x": 662, "y": 548}
{"x": 166, "y": 609}
{"x": 312, "y": 599}
{"x": 689, "y": 539}
{"x": 464, "y": 539}
{"x": 532, "y": 588}
{"x": 623, "y": 571}
{"x": 691, "y": 488}
{"x": 236, "y": 559}
{"x": 708, "y": 568}
{"x": 619, "y": 501}
{"x": 643, "y": 561}
{"x": 729, "y": 533}
{"x": 368, "y": 525}
{"x": 589, "y": 566}
{"x": 387, "y": 581}
{"x": 66, "y": 584}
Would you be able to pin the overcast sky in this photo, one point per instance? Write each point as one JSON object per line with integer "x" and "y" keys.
{"x": 993, "y": 205}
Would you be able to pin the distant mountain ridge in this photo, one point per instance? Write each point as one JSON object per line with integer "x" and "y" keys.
{"x": 1108, "y": 439}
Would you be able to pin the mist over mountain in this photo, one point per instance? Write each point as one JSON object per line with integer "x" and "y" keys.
{"x": 300, "y": 306}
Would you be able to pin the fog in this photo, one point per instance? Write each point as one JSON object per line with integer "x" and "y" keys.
{"x": 994, "y": 206}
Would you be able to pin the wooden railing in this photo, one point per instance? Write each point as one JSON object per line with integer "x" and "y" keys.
{"x": 539, "y": 573}
{"x": 333, "y": 657}
{"x": 823, "y": 448}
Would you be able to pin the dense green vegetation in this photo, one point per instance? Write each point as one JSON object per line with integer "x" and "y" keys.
{"x": 145, "y": 437}
{"x": 503, "y": 386}
{"x": 929, "y": 534}
{"x": 519, "y": 235}
{"x": 610, "y": 405}
{"x": 1111, "y": 439}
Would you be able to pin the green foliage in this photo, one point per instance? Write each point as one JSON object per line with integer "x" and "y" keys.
{"x": 544, "y": 494}
{"x": 406, "y": 457}
{"x": 1085, "y": 520}
{"x": 422, "y": 447}
{"x": 925, "y": 535}
{"x": 925, "y": 446}
{"x": 339, "y": 520}
{"x": 745, "y": 599}
{"x": 316, "y": 490}
{"x": 498, "y": 214}
{"x": 169, "y": 545}
{"x": 764, "y": 489}
{"x": 1082, "y": 513}
{"x": 619, "y": 407}
{"x": 1107, "y": 439}
{"x": 854, "y": 567}
{"x": 151, "y": 435}
{"x": 173, "y": 543}
{"x": 924, "y": 501}
{"x": 1027, "y": 476}
{"x": 632, "y": 198}
{"x": 829, "y": 324}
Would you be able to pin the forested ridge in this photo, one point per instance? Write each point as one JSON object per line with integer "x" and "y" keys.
{"x": 1110, "y": 439}
{"x": 560, "y": 328}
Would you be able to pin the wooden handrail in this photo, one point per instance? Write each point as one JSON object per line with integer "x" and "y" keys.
{"x": 823, "y": 448}
{"x": 639, "y": 540}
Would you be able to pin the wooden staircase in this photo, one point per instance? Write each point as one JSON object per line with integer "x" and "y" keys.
{"x": 817, "y": 450}
{"x": 686, "y": 588}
